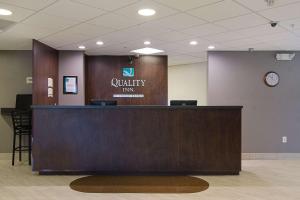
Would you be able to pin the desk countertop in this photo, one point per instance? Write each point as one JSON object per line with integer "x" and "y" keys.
{"x": 133, "y": 107}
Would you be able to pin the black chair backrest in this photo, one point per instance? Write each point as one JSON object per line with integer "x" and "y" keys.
{"x": 23, "y": 101}
{"x": 98, "y": 102}
{"x": 183, "y": 102}
{"x": 21, "y": 120}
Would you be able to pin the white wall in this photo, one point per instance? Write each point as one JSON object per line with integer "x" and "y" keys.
{"x": 188, "y": 82}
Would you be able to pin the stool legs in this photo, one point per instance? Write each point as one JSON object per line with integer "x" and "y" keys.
{"x": 20, "y": 148}
{"x": 29, "y": 150}
{"x": 20, "y": 145}
{"x": 14, "y": 150}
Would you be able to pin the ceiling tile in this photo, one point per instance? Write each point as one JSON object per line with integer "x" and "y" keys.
{"x": 90, "y": 30}
{"x": 49, "y": 22}
{"x": 277, "y": 36}
{"x": 108, "y": 5}
{"x": 113, "y": 21}
{"x": 260, "y": 30}
{"x": 63, "y": 38}
{"x": 244, "y": 21}
{"x": 291, "y": 25}
{"x": 137, "y": 44}
{"x": 29, "y": 32}
{"x": 206, "y": 29}
{"x": 186, "y": 5}
{"x": 178, "y": 21}
{"x": 73, "y": 11}
{"x": 132, "y": 11}
{"x": 201, "y": 46}
{"x": 241, "y": 42}
{"x": 262, "y": 5}
{"x": 30, "y": 4}
{"x": 18, "y": 15}
{"x": 171, "y": 47}
{"x": 184, "y": 59}
{"x": 223, "y": 37}
{"x": 282, "y": 13}
{"x": 218, "y": 11}
{"x": 172, "y": 36}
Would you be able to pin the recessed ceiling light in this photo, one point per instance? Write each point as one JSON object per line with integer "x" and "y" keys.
{"x": 146, "y": 12}
{"x": 193, "y": 43}
{"x": 211, "y": 47}
{"x": 147, "y": 51}
{"x": 81, "y": 47}
{"x": 100, "y": 43}
{"x": 147, "y": 43}
{"x": 5, "y": 12}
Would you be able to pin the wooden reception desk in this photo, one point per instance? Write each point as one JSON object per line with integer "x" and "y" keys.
{"x": 137, "y": 140}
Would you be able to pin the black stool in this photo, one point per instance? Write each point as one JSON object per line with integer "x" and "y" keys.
{"x": 22, "y": 127}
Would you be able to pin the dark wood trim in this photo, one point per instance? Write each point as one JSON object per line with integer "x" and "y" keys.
{"x": 45, "y": 64}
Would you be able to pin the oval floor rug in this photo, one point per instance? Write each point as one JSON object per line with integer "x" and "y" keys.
{"x": 139, "y": 184}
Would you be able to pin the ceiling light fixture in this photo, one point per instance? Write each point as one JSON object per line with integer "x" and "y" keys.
{"x": 147, "y": 51}
{"x": 193, "y": 43}
{"x": 5, "y": 12}
{"x": 146, "y": 12}
{"x": 211, "y": 47}
{"x": 100, "y": 43}
{"x": 147, "y": 43}
{"x": 81, "y": 47}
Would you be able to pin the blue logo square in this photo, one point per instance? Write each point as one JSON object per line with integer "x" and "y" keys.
{"x": 128, "y": 72}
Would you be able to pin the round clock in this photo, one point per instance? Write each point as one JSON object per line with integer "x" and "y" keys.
{"x": 271, "y": 79}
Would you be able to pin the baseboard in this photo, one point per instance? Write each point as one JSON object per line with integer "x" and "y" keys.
{"x": 270, "y": 156}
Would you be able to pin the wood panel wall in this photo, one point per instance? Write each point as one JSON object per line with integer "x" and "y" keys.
{"x": 101, "y": 69}
{"x": 45, "y": 65}
{"x": 137, "y": 140}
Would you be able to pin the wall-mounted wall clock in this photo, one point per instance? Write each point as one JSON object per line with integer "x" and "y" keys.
{"x": 271, "y": 79}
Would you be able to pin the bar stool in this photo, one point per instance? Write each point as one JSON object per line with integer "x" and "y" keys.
{"x": 22, "y": 127}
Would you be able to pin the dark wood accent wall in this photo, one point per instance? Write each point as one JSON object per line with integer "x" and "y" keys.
{"x": 45, "y": 65}
{"x": 137, "y": 139}
{"x": 101, "y": 69}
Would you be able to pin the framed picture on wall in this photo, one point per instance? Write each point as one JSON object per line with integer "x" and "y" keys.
{"x": 70, "y": 85}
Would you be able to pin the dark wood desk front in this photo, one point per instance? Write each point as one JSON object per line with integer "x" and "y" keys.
{"x": 137, "y": 140}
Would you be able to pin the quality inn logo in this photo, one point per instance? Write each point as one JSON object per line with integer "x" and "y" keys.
{"x": 128, "y": 72}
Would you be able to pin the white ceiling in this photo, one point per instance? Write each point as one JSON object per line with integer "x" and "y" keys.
{"x": 226, "y": 24}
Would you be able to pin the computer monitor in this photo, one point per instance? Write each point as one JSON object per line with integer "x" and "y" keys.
{"x": 98, "y": 102}
{"x": 23, "y": 101}
{"x": 183, "y": 102}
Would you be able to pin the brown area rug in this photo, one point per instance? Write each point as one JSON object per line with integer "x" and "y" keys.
{"x": 139, "y": 184}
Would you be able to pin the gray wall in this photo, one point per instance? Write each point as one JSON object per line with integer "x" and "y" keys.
{"x": 71, "y": 63}
{"x": 15, "y": 66}
{"x": 236, "y": 78}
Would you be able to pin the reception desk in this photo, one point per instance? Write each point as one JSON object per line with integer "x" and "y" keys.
{"x": 137, "y": 140}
